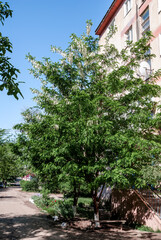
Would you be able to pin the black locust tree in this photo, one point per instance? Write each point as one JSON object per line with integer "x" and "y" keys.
{"x": 101, "y": 125}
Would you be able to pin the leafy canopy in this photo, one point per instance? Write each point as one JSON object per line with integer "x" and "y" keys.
{"x": 94, "y": 122}
{"x": 9, "y": 167}
{"x": 8, "y": 73}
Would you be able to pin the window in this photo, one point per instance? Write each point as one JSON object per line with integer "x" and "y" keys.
{"x": 145, "y": 21}
{"x": 129, "y": 35}
{"x": 127, "y": 6}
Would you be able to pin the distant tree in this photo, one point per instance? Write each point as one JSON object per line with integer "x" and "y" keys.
{"x": 20, "y": 149}
{"x": 96, "y": 122}
{"x": 37, "y": 143}
{"x": 9, "y": 167}
{"x": 8, "y": 73}
{"x": 2, "y": 133}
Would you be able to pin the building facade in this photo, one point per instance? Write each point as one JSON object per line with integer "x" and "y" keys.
{"x": 133, "y": 18}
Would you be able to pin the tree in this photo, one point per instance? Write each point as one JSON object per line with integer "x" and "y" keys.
{"x": 100, "y": 129}
{"x": 37, "y": 142}
{"x": 2, "y": 134}
{"x": 20, "y": 150}
{"x": 8, "y": 73}
{"x": 9, "y": 167}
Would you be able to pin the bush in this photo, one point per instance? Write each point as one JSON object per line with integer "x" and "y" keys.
{"x": 30, "y": 186}
{"x": 145, "y": 228}
{"x": 45, "y": 196}
{"x": 55, "y": 207}
{"x": 66, "y": 209}
{"x": 81, "y": 205}
{"x": 38, "y": 201}
{"x": 85, "y": 213}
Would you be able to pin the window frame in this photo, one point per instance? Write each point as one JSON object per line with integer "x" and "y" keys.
{"x": 127, "y": 6}
{"x": 145, "y": 21}
{"x": 129, "y": 34}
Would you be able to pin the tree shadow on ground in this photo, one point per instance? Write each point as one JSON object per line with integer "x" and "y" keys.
{"x": 42, "y": 228}
{"x": 3, "y": 190}
{"x": 2, "y": 197}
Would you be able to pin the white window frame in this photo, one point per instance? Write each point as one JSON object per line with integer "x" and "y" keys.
{"x": 129, "y": 34}
{"x": 127, "y": 6}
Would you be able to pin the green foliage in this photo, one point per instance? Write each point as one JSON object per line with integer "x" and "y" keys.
{"x": 9, "y": 167}
{"x": 85, "y": 201}
{"x": 146, "y": 228}
{"x": 30, "y": 186}
{"x": 45, "y": 196}
{"x": 93, "y": 125}
{"x": 85, "y": 208}
{"x": 66, "y": 187}
{"x": 66, "y": 209}
{"x": 85, "y": 212}
{"x": 8, "y": 73}
{"x": 38, "y": 201}
{"x": 20, "y": 148}
{"x": 55, "y": 207}
{"x": 2, "y": 135}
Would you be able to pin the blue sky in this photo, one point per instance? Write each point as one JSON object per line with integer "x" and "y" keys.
{"x": 34, "y": 27}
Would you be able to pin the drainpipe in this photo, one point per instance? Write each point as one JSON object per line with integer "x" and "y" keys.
{"x": 137, "y": 21}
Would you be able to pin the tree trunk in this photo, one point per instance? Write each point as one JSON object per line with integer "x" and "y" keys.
{"x": 74, "y": 210}
{"x": 96, "y": 209}
{"x": 75, "y": 200}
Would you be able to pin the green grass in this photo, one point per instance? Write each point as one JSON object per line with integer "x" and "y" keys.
{"x": 146, "y": 229}
{"x": 85, "y": 201}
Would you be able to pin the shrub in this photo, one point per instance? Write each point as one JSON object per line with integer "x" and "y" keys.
{"x": 81, "y": 205}
{"x": 146, "y": 228}
{"x": 45, "y": 196}
{"x": 85, "y": 213}
{"x": 66, "y": 209}
{"x": 30, "y": 186}
{"x": 55, "y": 207}
{"x": 38, "y": 201}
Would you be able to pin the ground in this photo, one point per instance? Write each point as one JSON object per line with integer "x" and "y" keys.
{"x": 20, "y": 219}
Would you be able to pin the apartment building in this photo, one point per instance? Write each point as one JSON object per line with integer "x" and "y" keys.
{"x": 133, "y": 18}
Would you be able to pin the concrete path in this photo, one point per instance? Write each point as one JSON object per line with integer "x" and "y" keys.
{"x": 20, "y": 219}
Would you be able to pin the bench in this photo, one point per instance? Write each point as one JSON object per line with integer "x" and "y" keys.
{"x": 120, "y": 222}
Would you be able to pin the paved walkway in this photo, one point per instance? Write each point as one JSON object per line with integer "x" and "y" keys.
{"x": 20, "y": 219}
